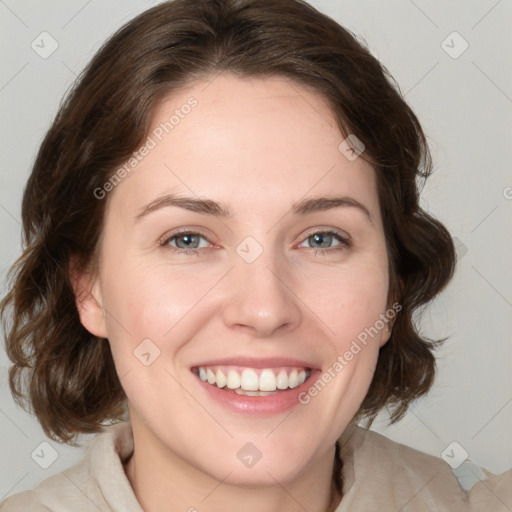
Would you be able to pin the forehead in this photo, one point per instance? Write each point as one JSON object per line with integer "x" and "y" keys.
{"x": 244, "y": 142}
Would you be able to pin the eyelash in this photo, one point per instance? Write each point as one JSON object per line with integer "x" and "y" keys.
{"x": 345, "y": 243}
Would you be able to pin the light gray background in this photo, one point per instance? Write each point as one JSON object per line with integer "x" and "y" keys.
{"x": 465, "y": 106}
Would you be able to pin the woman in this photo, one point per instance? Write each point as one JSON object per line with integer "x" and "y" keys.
{"x": 171, "y": 277}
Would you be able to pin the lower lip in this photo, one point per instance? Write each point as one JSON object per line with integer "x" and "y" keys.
{"x": 259, "y": 405}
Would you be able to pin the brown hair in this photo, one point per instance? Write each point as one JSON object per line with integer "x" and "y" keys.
{"x": 61, "y": 369}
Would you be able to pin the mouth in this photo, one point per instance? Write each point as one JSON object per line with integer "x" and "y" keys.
{"x": 256, "y": 387}
{"x": 249, "y": 381}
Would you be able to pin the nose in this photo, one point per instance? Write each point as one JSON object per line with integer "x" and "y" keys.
{"x": 260, "y": 299}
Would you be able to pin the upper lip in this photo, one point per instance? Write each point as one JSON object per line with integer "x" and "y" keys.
{"x": 256, "y": 362}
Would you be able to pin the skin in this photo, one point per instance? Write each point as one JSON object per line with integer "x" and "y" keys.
{"x": 258, "y": 145}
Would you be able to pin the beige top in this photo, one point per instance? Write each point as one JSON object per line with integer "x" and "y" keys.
{"x": 379, "y": 474}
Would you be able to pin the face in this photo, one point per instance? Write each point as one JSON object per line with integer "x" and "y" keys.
{"x": 232, "y": 314}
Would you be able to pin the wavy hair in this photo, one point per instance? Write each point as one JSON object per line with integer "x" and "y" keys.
{"x": 60, "y": 371}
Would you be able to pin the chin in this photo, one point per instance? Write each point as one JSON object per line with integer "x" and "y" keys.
{"x": 262, "y": 463}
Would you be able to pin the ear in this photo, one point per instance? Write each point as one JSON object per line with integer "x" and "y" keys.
{"x": 386, "y": 333}
{"x": 393, "y": 305}
{"x": 88, "y": 299}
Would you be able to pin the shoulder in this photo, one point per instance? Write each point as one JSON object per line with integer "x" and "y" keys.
{"x": 54, "y": 494}
{"x": 380, "y": 472}
{"x": 492, "y": 493}
{"x": 96, "y": 482}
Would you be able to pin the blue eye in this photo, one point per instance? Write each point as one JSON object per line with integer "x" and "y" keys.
{"x": 325, "y": 239}
{"x": 189, "y": 242}
{"x": 186, "y": 241}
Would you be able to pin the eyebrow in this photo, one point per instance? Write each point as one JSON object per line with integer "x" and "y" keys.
{"x": 209, "y": 207}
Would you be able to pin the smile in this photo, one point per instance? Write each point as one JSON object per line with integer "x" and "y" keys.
{"x": 253, "y": 381}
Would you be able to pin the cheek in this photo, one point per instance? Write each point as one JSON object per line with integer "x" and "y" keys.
{"x": 145, "y": 332}
{"x": 350, "y": 301}
{"x": 148, "y": 302}
{"x": 149, "y": 299}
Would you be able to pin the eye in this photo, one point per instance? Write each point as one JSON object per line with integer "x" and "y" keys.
{"x": 324, "y": 240}
{"x": 185, "y": 242}
{"x": 189, "y": 242}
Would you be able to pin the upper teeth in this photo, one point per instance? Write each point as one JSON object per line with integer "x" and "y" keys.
{"x": 251, "y": 379}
